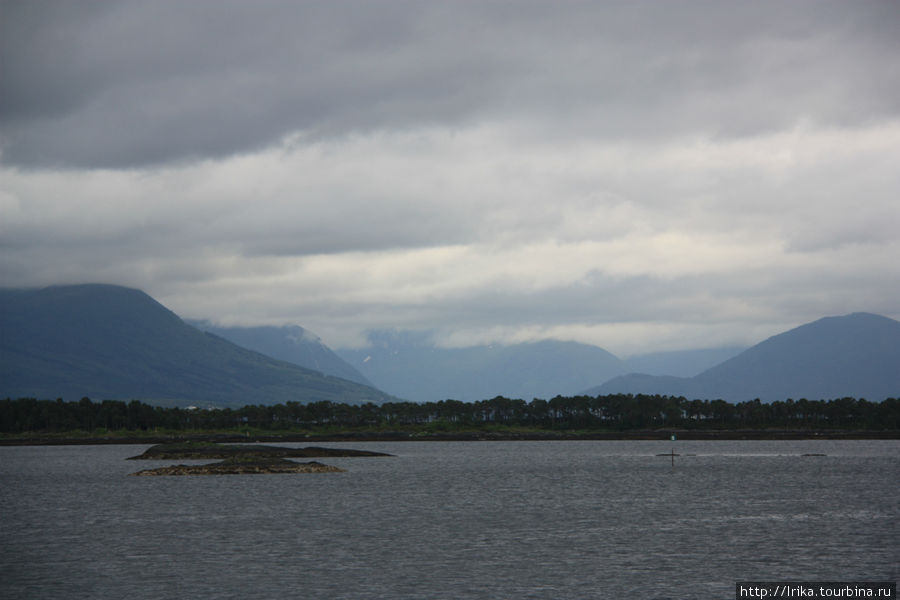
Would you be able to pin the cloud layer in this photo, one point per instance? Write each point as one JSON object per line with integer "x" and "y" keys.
{"x": 624, "y": 174}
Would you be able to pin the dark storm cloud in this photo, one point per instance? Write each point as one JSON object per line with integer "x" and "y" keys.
{"x": 148, "y": 82}
{"x": 145, "y": 82}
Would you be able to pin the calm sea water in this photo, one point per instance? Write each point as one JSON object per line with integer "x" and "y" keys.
{"x": 454, "y": 520}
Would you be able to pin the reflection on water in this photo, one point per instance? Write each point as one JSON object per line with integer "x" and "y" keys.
{"x": 454, "y": 520}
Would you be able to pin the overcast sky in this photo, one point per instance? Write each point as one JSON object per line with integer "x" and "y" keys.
{"x": 638, "y": 175}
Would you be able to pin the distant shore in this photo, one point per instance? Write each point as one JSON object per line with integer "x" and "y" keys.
{"x": 462, "y": 436}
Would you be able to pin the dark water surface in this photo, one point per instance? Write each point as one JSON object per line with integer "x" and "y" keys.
{"x": 454, "y": 520}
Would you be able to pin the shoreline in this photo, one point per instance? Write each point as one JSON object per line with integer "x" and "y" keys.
{"x": 464, "y": 436}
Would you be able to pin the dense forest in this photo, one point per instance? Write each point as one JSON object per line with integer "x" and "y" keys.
{"x": 618, "y": 412}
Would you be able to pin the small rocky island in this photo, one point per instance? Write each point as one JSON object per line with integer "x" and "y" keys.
{"x": 243, "y": 466}
{"x": 209, "y": 450}
{"x": 242, "y": 459}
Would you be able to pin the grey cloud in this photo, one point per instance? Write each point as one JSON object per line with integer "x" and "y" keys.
{"x": 528, "y": 168}
{"x": 148, "y": 82}
{"x": 145, "y": 82}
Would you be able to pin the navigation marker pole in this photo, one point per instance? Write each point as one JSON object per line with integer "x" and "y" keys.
{"x": 673, "y": 451}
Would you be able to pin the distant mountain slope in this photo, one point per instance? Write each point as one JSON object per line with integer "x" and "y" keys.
{"x": 290, "y": 343}
{"x": 681, "y": 363}
{"x": 417, "y": 371}
{"x": 856, "y": 355}
{"x": 641, "y": 383}
{"x": 110, "y": 342}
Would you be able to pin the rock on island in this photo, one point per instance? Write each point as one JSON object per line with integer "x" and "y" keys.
{"x": 243, "y": 466}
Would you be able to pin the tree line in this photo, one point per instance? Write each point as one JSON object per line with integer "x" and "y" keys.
{"x": 611, "y": 412}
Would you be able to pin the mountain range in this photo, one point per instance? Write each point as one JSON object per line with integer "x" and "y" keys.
{"x": 111, "y": 342}
{"x": 106, "y": 341}
{"x": 290, "y": 343}
{"x": 411, "y": 368}
{"x": 856, "y": 355}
